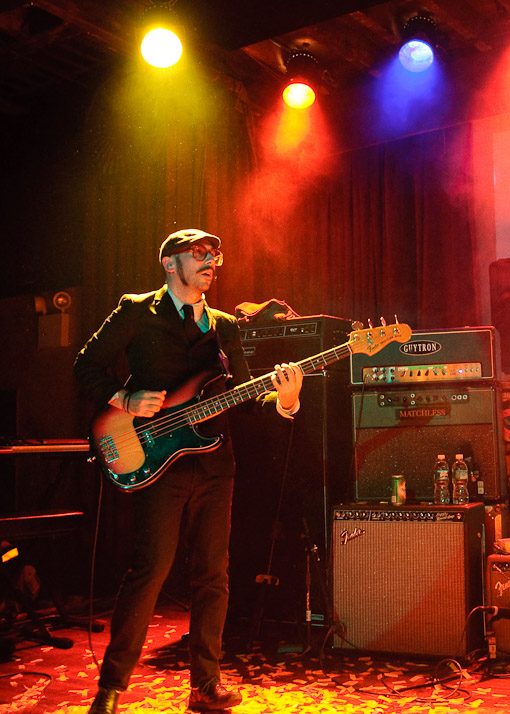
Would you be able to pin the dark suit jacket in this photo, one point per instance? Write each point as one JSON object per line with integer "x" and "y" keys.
{"x": 149, "y": 331}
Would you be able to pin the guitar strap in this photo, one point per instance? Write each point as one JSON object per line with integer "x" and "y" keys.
{"x": 222, "y": 357}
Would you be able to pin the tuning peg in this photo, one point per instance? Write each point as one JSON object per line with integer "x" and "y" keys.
{"x": 383, "y": 321}
{"x": 356, "y": 325}
{"x": 370, "y": 323}
{"x": 396, "y": 320}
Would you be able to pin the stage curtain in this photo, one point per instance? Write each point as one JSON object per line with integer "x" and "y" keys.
{"x": 158, "y": 159}
{"x": 382, "y": 230}
{"x": 404, "y": 230}
{"x": 386, "y": 230}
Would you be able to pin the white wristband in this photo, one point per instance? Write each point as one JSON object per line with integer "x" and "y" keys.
{"x": 287, "y": 413}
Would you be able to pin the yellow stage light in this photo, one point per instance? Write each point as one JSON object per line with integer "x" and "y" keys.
{"x": 161, "y": 48}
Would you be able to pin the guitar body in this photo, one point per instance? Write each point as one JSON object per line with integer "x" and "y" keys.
{"x": 133, "y": 452}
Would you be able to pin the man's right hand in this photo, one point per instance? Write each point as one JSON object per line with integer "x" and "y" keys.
{"x": 144, "y": 403}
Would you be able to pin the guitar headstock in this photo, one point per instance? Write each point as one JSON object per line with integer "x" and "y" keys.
{"x": 374, "y": 339}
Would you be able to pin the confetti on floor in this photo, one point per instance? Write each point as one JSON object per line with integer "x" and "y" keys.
{"x": 271, "y": 676}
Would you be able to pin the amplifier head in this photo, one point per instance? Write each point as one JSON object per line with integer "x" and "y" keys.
{"x": 265, "y": 344}
{"x": 462, "y": 354}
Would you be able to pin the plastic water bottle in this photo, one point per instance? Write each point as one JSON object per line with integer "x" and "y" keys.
{"x": 460, "y": 480}
{"x": 441, "y": 480}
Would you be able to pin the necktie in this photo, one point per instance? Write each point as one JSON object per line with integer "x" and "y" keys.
{"x": 191, "y": 329}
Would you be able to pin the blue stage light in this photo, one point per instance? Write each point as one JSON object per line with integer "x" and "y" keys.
{"x": 416, "y": 55}
{"x": 416, "y": 52}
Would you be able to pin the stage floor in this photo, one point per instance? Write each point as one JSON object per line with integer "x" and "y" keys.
{"x": 272, "y": 672}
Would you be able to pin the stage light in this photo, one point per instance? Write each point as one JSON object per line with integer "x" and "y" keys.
{"x": 416, "y": 52}
{"x": 298, "y": 95}
{"x": 160, "y": 47}
{"x": 303, "y": 78}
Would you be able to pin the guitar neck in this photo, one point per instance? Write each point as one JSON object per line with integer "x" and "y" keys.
{"x": 368, "y": 341}
{"x": 260, "y": 385}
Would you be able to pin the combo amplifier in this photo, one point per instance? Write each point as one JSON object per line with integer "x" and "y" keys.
{"x": 405, "y": 578}
{"x": 463, "y": 354}
{"x": 294, "y": 339}
{"x": 498, "y": 594}
{"x": 401, "y": 431}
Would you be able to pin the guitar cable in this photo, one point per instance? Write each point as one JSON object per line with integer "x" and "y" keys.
{"x": 92, "y": 570}
{"x": 280, "y": 499}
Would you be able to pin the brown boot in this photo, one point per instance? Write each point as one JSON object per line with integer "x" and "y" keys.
{"x": 212, "y": 696}
{"x": 105, "y": 701}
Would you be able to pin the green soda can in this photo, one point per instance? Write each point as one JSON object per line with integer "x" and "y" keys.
{"x": 398, "y": 490}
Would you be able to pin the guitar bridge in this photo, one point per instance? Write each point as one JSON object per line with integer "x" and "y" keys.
{"x": 108, "y": 449}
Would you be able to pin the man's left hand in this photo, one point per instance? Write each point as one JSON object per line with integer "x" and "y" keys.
{"x": 287, "y": 379}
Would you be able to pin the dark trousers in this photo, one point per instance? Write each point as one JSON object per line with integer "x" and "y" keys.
{"x": 202, "y": 502}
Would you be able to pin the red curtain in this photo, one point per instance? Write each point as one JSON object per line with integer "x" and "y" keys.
{"x": 390, "y": 232}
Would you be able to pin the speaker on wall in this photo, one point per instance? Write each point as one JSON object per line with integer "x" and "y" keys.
{"x": 402, "y": 431}
{"x": 405, "y": 578}
{"x": 498, "y": 594}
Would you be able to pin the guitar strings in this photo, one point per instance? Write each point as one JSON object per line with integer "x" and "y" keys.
{"x": 172, "y": 422}
{"x": 163, "y": 426}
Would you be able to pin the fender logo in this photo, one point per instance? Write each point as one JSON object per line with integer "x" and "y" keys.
{"x": 345, "y": 536}
{"x": 500, "y": 587}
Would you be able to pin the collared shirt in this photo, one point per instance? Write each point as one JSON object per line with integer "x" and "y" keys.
{"x": 198, "y": 308}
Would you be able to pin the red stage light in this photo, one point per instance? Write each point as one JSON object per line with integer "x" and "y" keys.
{"x": 298, "y": 95}
{"x": 303, "y": 79}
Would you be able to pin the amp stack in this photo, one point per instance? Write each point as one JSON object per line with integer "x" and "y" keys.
{"x": 322, "y": 440}
{"x": 397, "y": 569}
{"x": 437, "y": 393}
{"x": 290, "y": 474}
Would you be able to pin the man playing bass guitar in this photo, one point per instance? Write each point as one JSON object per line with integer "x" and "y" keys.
{"x": 174, "y": 343}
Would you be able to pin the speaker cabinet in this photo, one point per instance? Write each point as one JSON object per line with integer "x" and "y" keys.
{"x": 289, "y": 475}
{"x": 402, "y": 431}
{"x": 314, "y": 476}
{"x": 321, "y": 433}
{"x": 498, "y": 594}
{"x": 405, "y": 579}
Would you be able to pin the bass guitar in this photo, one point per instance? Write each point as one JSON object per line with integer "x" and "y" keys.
{"x": 133, "y": 452}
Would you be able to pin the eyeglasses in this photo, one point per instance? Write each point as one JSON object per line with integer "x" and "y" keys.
{"x": 199, "y": 252}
